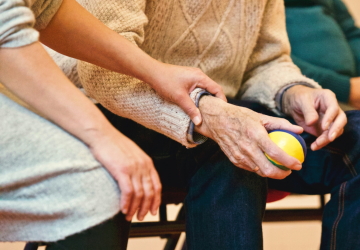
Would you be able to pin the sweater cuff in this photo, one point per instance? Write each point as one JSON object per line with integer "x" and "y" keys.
{"x": 44, "y": 11}
{"x": 281, "y": 92}
{"x": 192, "y": 136}
{"x": 16, "y": 24}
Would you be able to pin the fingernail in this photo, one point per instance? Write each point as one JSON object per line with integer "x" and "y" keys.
{"x": 326, "y": 126}
{"x": 197, "y": 120}
{"x": 333, "y": 136}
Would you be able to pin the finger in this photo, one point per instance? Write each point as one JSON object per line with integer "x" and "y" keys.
{"x": 157, "y": 192}
{"x": 329, "y": 117}
{"x": 147, "y": 199}
{"x": 267, "y": 169}
{"x": 272, "y": 123}
{"x": 189, "y": 107}
{"x": 212, "y": 87}
{"x": 279, "y": 156}
{"x": 310, "y": 114}
{"x": 233, "y": 152}
{"x": 127, "y": 191}
{"x": 137, "y": 197}
{"x": 338, "y": 125}
{"x": 330, "y": 106}
{"x": 252, "y": 157}
{"x": 321, "y": 141}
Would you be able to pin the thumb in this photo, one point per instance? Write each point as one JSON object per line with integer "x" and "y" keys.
{"x": 190, "y": 109}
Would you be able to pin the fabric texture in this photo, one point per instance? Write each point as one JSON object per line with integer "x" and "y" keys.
{"x": 239, "y": 44}
{"x": 334, "y": 169}
{"x": 17, "y": 20}
{"x": 325, "y": 43}
{"x": 225, "y": 204}
{"x": 50, "y": 184}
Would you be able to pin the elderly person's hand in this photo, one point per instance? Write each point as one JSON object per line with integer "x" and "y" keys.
{"x": 317, "y": 111}
{"x": 242, "y": 135}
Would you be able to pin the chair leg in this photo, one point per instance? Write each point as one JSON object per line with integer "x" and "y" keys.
{"x": 174, "y": 239}
{"x": 172, "y": 242}
{"x": 31, "y": 246}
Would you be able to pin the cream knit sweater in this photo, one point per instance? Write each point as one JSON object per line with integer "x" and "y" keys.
{"x": 241, "y": 44}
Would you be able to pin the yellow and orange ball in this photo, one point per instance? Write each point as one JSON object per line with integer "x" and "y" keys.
{"x": 293, "y": 144}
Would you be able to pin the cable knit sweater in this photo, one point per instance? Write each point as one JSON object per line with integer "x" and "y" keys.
{"x": 240, "y": 44}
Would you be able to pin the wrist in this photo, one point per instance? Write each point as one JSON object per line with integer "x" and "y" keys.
{"x": 97, "y": 133}
{"x": 209, "y": 106}
{"x": 288, "y": 96}
{"x": 152, "y": 72}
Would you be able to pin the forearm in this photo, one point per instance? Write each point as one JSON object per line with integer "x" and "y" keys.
{"x": 31, "y": 75}
{"x": 84, "y": 37}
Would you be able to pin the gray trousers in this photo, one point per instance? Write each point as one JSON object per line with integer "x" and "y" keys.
{"x": 50, "y": 184}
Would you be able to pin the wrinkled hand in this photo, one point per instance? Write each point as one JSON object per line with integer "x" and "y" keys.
{"x": 317, "y": 111}
{"x": 242, "y": 135}
{"x": 133, "y": 170}
{"x": 175, "y": 83}
{"x": 354, "y": 98}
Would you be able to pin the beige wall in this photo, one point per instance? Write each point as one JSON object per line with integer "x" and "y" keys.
{"x": 354, "y": 7}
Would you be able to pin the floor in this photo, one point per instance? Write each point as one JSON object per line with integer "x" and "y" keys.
{"x": 277, "y": 235}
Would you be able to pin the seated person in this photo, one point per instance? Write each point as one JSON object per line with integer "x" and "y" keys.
{"x": 325, "y": 44}
{"x": 243, "y": 46}
{"x": 73, "y": 180}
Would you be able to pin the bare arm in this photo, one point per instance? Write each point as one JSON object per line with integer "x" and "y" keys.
{"x": 84, "y": 37}
{"x": 32, "y": 75}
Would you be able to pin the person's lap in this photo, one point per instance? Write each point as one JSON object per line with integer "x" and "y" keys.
{"x": 208, "y": 204}
{"x": 333, "y": 169}
{"x": 50, "y": 184}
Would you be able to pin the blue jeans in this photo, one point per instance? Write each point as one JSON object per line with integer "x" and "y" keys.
{"x": 225, "y": 204}
{"x": 333, "y": 169}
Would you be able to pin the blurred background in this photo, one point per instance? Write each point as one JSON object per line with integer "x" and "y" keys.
{"x": 277, "y": 235}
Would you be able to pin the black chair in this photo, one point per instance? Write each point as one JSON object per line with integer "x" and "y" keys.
{"x": 171, "y": 230}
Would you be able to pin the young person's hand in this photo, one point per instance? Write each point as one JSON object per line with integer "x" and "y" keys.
{"x": 62, "y": 103}
{"x": 74, "y": 36}
{"x": 133, "y": 170}
{"x": 175, "y": 83}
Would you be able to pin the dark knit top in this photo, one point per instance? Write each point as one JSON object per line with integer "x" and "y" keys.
{"x": 325, "y": 42}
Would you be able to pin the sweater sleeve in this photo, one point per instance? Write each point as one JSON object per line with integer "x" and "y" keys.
{"x": 44, "y": 11}
{"x": 124, "y": 95}
{"x": 17, "y": 20}
{"x": 270, "y": 67}
{"x": 328, "y": 79}
{"x": 16, "y": 24}
{"x": 351, "y": 31}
